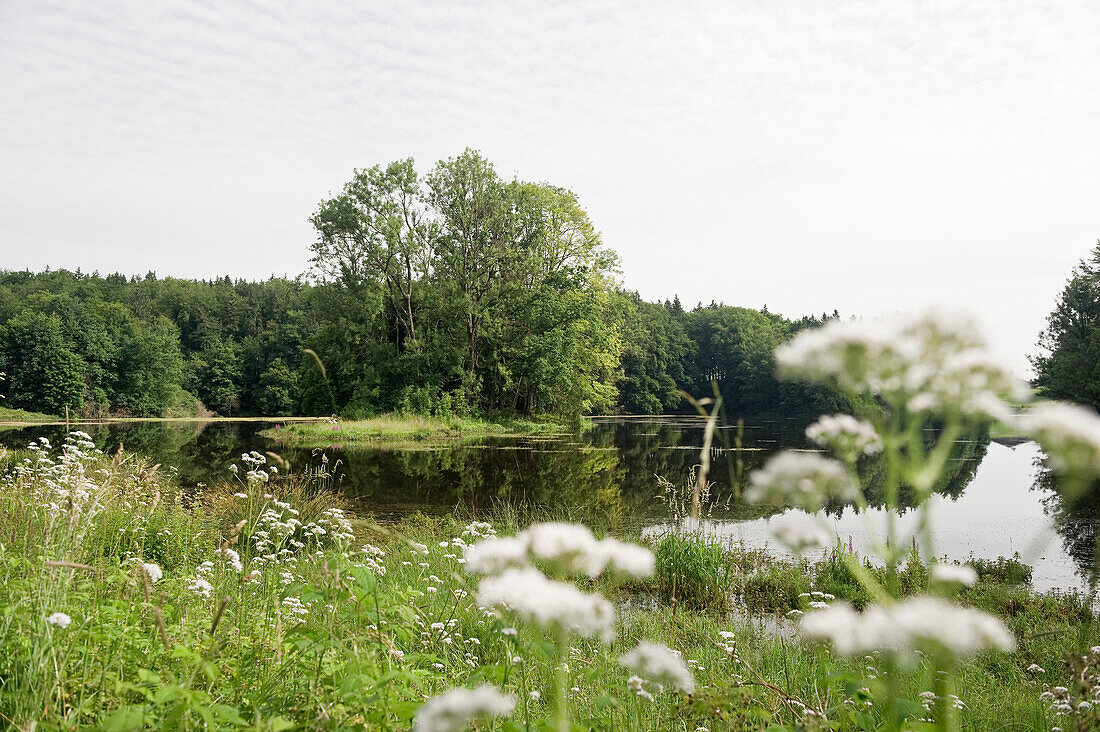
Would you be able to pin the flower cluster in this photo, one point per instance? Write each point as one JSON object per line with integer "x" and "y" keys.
{"x": 847, "y": 436}
{"x": 799, "y": 535}
{"x": 801, "y": 479}
{"x": 918, "y": 623}
{"x": 535, "y": 598}
{"x": 1070, "y": 436}
{"x": 928, "y": 364}
{"x": 455, "y": 709}
{"x": 660, "y": 665}
{"x": 565, "y": 548}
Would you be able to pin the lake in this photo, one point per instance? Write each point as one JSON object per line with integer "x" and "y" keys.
{"x": 995, "y": 502}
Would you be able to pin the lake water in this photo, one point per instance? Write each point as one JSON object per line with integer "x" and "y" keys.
{"x": 996, "y": 501}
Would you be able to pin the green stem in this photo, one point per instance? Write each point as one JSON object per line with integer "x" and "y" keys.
{"x": 561, "y": 682}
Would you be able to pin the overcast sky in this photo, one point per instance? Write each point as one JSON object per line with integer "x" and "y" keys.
{"x": 867, "y": 156}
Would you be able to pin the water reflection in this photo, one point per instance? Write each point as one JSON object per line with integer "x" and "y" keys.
{"x": 1074, "y": 519}
{"x": 606, "y": 477}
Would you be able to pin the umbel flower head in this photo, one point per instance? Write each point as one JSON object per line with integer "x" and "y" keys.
{"x": 848, "y": 437}
{"x": 799, "y": 535}
{"x": 800, "y": 479}
{"x": 1070, "y": 436}
{"x": 659, "y": 664}
{"x": 535, "y": 598}
{"x": 454, "y": 710}
{"x": 61, "y": 620}
{"x": 930, "y": 363}
{"x": 565, "y": 548}
{"x": 921, "y": 623}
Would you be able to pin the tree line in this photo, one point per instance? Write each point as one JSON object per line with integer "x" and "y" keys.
{"x": 454, "y": 293}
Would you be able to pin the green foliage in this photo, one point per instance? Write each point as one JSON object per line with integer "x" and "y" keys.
{"x": 278, "y": 390}
{"x": 655, "y": 354}
{"x": 1002, "y": 570}
{"x": 366, "y": 651}
{"x": 44, "y": 372}
{"x": 692, "y": 570}
{"x": 1068, "y": 366}
{"x": 455, "y": 293}
{"x": 775, "y": 589}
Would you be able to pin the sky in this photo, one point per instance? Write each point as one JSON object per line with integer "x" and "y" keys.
{"x": 868, "y": 156}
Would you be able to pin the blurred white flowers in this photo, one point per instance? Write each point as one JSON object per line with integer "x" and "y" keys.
{"x": 659, "y": 664}
{"x": 1070, "y": 436}
{"x": 959, "y": 574}
{"x": 61, "y": 620}
{"x": 799, "y": 535}
{"x": 926, "y": 363}
{"x": 200, "y": 587}
{"x": 564, "y": 548}
{"x": 801, "y": 479}
{"x": 152, "y": 571}
{"x": 920, "y": 623}
{"x": 847, "y": 436}
{"x": 455, "y": 709}
{"x": 532, "y": 596}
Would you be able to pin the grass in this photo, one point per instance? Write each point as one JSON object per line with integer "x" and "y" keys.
{"x": 334, "y": 633}
{"x": 20, "y": 416}
{"x": 401, "y": 429}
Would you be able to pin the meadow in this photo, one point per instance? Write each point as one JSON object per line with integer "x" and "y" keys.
{"x": 261, "y": 601}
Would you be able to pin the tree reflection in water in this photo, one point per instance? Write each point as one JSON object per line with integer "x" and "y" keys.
{"x": 604, "y": 477}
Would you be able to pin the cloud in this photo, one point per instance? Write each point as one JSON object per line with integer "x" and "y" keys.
{"x": 809, "y": 156}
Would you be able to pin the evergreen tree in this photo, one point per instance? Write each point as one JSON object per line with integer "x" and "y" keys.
{"x": 1070, "y": 367}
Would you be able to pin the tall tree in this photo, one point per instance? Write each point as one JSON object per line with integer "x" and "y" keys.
{"x": 1069, "y": 367}
{"x": 378, "y": 233}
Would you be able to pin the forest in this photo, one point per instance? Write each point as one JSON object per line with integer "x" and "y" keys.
{"x": 451, "y": 293}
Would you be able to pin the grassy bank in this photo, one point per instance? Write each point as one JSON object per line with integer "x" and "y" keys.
{"x": 406, "y": 429}
{"x": 277, "y": 612}
{"x": 21, "y": 416}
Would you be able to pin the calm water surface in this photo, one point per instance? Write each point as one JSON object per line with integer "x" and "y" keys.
{"x": 996, "y": 501}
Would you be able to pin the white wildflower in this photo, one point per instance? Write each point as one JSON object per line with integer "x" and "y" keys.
{"x": 61, "y": 620}
{"x": 628, "y": 560}
{"x": 917, "y": 623}
{"x": 200, "y": 587}
{"x": 566, "y": 548}
{"x": 495, "y": 555}
{"x": 455, "y": 709}
{"x": 933, "y": 362}
{"x": 847, "y": 436}
{"x": 1069, "y": 434}
{"x": 644, "y": 689}
{"x": 152, "y": 571}
{"x": 535, "y": 598}
{"x": 240, "y": 495}
{"x": 570, "y": 548}
{"x": 799, "y": 536}
{"x": 959, "y": 574}
{"x": 659, "y": 664}
{"x": 231, "y": 557}
{"x": 1035, "y": 669}
{"x": 800, "y": 479}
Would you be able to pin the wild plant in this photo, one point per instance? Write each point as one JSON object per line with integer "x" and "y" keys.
{"x": 529, "y": 579}
{"x": 933, "y": 382}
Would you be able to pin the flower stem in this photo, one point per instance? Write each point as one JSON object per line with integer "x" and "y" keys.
{"x": 561, "y": 682}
